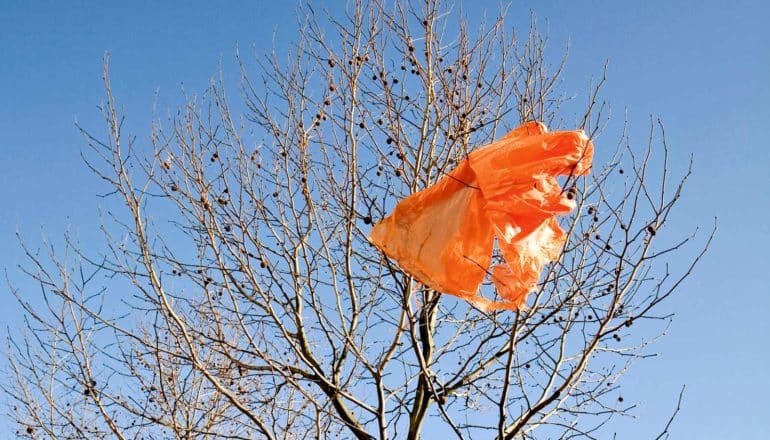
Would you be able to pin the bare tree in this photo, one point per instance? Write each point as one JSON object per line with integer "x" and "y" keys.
{"x": 238, "y": 296}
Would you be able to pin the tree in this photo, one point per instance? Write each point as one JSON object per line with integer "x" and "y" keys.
{"x": 239, "y": 297}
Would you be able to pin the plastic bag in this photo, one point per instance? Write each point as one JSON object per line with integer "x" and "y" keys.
{"x": 506, "y": 192}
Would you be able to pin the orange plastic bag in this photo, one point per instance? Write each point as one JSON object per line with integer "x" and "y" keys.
{"x": 444, "y": 235}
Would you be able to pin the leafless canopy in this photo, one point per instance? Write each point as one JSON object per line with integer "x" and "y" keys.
{"x": 238, "y": 297}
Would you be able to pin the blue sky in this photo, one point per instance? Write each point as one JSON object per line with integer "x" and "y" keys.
{"x": 703, "y": 67}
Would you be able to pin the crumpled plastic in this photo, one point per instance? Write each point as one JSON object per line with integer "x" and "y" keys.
{"x": 505, "y": 192}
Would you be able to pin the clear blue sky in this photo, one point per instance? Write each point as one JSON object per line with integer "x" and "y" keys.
{"x": 704, "y": 67}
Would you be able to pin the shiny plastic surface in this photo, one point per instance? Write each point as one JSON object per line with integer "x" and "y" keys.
{"x": 505, "y": 192}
